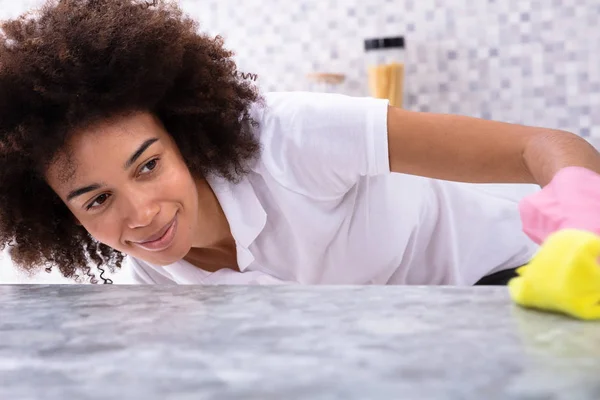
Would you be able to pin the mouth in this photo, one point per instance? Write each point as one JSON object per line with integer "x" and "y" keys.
{"x": 162, "y": 239}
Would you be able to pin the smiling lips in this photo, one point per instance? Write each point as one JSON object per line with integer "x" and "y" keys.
{"x": 161, "y": 240}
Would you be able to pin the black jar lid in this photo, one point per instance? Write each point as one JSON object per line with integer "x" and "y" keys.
{"x": 396, "y": 42}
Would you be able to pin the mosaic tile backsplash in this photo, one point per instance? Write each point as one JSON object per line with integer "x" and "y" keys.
{"x": 527, "y": 61}
{"x": 535, "y": 62}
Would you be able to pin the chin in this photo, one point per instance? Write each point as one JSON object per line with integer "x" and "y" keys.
{"x": 166, "y": 257}
{"x": 170, "y": 258}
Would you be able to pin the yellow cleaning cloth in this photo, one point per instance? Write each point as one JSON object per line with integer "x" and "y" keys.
{"x": 564, "y": 276}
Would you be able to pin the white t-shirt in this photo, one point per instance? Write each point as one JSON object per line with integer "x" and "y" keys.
{"x": 320, "y": 206}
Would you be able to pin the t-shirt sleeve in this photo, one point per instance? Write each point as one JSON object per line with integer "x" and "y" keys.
{"x": 322, "y": 143}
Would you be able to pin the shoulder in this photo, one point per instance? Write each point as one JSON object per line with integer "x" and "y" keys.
{"x": 314, "y": 109}
{"x": 321, "y": 143}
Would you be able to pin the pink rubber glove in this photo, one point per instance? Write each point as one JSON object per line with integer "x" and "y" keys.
{"x": 570, "y": 200}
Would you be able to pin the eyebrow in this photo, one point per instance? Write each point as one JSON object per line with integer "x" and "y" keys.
{"x": 83, "y": 190}
{"x": 138, "y": 153}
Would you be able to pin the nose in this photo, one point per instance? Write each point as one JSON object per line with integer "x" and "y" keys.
{"x": 141, "y": 210}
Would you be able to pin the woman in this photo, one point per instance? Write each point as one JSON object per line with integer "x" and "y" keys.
{"x": 125, "y": 132}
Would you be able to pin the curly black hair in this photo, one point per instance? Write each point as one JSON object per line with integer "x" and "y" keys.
{"x": 72, "y": 63}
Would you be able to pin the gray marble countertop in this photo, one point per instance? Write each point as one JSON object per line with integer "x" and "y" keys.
{"x": 291, "y": 342}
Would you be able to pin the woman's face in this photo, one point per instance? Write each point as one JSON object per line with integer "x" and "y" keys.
{"x": 126, "y": 182}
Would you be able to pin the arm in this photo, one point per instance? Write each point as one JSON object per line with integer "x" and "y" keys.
{"x": 458, "y": 148}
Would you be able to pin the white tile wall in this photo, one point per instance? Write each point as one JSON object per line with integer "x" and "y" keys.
{"x": 10, "y": 275}
{"x": 530, "y": 61}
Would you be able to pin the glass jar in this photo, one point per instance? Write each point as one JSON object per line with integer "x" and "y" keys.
{"x": 385, "y": 68}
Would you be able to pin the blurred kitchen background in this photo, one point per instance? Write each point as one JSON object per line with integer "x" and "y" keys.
{"x": 534, "y": 62}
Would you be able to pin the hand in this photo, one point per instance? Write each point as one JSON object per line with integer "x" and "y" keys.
{"x": 570, "y": 201}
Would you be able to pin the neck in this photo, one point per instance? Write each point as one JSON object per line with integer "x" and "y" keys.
{"x": 213, "y": 246}
{"x": 212, "y": 259}
{"x": 212, "y": 226}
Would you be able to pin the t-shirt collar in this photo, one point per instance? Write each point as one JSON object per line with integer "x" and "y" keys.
{"x": 244, "y": 212}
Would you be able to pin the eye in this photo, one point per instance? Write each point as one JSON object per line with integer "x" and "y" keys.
{"x": 149, "y": 166}
{"x": 98, "y": 201}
